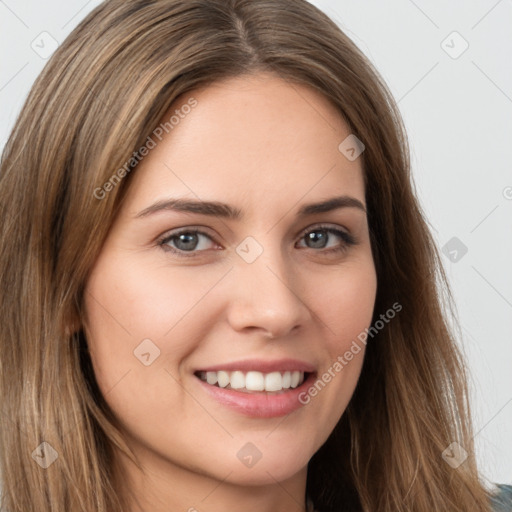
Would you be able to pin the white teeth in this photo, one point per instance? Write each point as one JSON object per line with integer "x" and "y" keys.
{"x": 237, "y": 380}
{"x": 254, "y": 381}
{"x": 273, "y": 381}
{"x": 223, "y": 379}
{"x": 211, "y": 378}
{"x": 295, "y": 379}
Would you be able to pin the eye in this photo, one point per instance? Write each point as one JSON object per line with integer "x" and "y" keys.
{"x": 319, "y": 237}
{"x": 186, "y": 240}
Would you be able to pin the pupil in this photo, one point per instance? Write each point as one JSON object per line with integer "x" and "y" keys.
{"x": 318, "y": 238}
{"x": 187, "y": 238}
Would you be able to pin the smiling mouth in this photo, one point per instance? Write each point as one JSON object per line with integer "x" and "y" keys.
{"x": 254, "y": 381}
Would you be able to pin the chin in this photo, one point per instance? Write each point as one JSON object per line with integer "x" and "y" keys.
{"x": 266, "y": 473}
{"x": 264, "y": 460}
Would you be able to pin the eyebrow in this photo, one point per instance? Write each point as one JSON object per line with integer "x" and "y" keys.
{"x": 223, "y": 210}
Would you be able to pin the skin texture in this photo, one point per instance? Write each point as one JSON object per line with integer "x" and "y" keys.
{"x": 267, "y": 147}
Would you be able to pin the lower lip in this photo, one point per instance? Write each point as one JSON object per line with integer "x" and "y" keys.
{"x": 259, "y": 405}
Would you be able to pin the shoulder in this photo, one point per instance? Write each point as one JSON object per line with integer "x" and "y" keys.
{"x": 501, "y": 500}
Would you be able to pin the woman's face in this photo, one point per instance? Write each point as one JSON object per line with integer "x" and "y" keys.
{"x": 259, "y": 300}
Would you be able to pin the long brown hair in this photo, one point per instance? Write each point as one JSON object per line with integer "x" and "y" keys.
{"x": 100, "y": 96}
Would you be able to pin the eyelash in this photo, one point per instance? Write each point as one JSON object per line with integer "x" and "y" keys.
{"x": 348, "y": 240}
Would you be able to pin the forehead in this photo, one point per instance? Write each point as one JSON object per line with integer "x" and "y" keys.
{"x": 253, "y": 140}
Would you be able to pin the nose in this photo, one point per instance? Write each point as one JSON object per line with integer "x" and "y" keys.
{"x": 265, "y": 296}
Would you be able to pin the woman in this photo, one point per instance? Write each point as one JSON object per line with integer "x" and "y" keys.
{"x": 220, "y": 289}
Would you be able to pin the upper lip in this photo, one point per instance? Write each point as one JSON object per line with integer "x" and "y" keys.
{"x": 263, "y": 366}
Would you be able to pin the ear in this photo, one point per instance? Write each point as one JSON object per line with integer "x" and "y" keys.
{"x": 71, "y": 329}
{"x": 72, "y": 324}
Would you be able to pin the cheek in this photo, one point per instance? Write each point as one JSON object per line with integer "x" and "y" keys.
{"x": 142, "y": 321}
{"x": 347, "y": 304}
{"x": 127, "y": 304}
{"x": 145, "y": 301}
{"x": 131, "y": 318}
{"x": 345, "y": 309}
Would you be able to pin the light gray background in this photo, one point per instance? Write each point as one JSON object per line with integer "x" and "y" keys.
{"x": 458, "y": 113}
